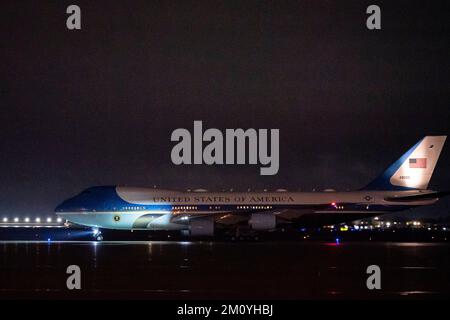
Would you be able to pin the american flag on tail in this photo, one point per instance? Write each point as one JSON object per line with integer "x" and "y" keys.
{"x": 418, "y": 162}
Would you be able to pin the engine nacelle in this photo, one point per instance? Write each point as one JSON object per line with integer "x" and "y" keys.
{"x": 263, "y": 221}
{"x": 202, "y": 226}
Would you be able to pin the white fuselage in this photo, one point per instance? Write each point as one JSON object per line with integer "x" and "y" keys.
{"x": 156, "y": 209}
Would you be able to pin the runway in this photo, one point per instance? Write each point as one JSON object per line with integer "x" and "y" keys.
{"x": 223, "y": 270}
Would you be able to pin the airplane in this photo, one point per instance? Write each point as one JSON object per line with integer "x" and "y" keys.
{"x": 403, "y": 185}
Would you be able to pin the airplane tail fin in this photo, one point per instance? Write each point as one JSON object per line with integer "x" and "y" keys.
{"x": 414, "y": 169}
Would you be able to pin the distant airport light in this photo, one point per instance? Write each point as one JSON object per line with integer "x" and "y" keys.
{"x": 27, "y": 219}
{"x": 59, "y": 220}
{"x": 5, "y": 219}
{"x": 49, "y": 219}
{"x": 16, "y": 219}
{"x": 38, "y": 219}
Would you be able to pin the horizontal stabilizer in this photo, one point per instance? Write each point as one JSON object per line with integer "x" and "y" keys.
{"x": 419, "y": 197}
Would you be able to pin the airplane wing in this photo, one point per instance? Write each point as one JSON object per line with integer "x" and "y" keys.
{"x": 235, "y": 217}
{"x": 226, "y": 218}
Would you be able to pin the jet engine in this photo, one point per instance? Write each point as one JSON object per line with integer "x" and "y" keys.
{"x": 202, "y": 227}
{"x": 263, "y": 221}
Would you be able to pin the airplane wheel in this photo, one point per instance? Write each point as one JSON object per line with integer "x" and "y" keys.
{"x": 99, "y": 238}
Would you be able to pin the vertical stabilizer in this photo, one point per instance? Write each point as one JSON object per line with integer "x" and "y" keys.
{"x": 414, "y": 169}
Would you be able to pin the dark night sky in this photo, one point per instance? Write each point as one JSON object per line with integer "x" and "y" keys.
{"x": 97, "y": 106}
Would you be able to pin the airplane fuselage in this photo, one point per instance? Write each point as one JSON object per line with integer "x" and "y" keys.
{"x": 154, "y": 209}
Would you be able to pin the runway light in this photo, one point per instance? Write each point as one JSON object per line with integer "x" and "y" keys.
{"x": 5, "y": 219}
{"x": 49, "y": 219}
{"x": 27, "y": 219}
{"x": 16, "y": 219}
{"x": 38, "y": 219}
{"x": 59, "y": 220}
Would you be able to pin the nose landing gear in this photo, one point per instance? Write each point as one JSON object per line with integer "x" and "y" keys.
{"x": 97, "y": 234}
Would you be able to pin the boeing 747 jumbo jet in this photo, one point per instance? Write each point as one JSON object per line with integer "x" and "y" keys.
{"x": 402, "y": 186}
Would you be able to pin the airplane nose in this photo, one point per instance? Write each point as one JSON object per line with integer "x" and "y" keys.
{"x": 76, "y": 203}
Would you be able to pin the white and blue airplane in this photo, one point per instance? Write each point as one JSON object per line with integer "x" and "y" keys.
{"x": 401, "y": 186}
